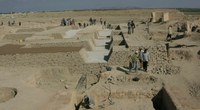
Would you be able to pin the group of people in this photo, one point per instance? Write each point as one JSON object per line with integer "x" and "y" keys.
{"x": 102, "y": 22}
{"x": 139, "y": 60}
{"x": 11, "y": 23}
{"x": 82, "y": 25}
{"x": 67, "y": 22}
{"x": 131, "y": 26}
{"x": 92, "y": 21}
{"x": 180, "y": 28}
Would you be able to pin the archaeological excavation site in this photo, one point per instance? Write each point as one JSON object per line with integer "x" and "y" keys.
{"x": 47, "y": 64}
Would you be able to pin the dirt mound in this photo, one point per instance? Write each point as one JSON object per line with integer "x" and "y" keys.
{"x": 7, "y": 93}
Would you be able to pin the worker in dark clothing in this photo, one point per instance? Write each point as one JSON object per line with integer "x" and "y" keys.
{"x": 132, "y": 26}
{"x": 129, "y": 27}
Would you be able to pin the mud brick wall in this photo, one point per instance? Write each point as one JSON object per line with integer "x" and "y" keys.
{"x": 176, "y": 15}
{"x": 173, "y": 14}
{"x": 84, "y": 44}
{"x": 157, "y": 16}
{"x": 71, "y": 60}
{"x": 42, "y": 59}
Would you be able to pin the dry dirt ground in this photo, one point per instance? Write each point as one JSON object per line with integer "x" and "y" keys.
{"x": 36, "y": 64}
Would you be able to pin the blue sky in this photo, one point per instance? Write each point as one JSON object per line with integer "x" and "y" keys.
{"x": 53, "y": 5}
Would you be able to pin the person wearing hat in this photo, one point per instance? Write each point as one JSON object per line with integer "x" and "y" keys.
{"x": 134, "y": 62}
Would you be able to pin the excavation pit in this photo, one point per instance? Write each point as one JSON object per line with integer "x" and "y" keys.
{"x": 163, "y": 101}
{"x": 136, "y": 79}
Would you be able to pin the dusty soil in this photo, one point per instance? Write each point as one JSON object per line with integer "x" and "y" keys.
{"x": 49, "y": 73}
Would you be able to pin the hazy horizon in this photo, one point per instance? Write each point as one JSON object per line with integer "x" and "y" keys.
{"x": 7, "y": 6}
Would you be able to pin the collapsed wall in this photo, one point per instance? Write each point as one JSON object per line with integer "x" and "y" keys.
{"x": 65, "y": 43}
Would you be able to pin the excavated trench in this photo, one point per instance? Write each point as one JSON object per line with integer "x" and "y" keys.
{"x": 131, "y": 92}
{"x": 136, "y": 99}
{"x": 163, "y": 101}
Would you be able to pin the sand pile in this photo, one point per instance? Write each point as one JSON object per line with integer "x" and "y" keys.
{"x": 7, "y": 93}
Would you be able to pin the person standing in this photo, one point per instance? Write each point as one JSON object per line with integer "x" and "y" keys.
{"x": 104, "y": 23}
{"x": 140, "y": 57}
{"x": 129, "y": 27}
{"x": 169, "y": 35}
{"x": 9, "y": 24}
{"x": 20, "y": 23}
{"x": 148, "y": 27}
{"x": 132, "y": 26}
{"x": 101, "y": 21}
{"x": 134, "y": 62}
{"x": 91, "y": 21}
{"x": 145, "y": 56}
{"x": 84, "y": 25}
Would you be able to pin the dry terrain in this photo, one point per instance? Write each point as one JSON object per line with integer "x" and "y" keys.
{"x": 45, "y": 66}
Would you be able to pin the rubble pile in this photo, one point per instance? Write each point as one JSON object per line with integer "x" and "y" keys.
{"x": 195, "y": 90}
{"x": 166, "y": 69}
